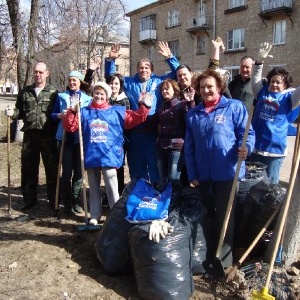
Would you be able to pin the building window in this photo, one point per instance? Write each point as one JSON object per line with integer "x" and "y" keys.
{"x": 147, "y": 23}
{"x": 236, "y": 39}
{"x": 99, "y": 51}
{"x": 173, "y": 18}
{"x": 81, "y": 67}
{"x": 279, "y": 30}
{"x": 82, "y": 51}
{"x": 235, "y": 3}
{"x": 174, "y": 47}
{"x": 201, "y": 44}
{"x": 150, "y": 52}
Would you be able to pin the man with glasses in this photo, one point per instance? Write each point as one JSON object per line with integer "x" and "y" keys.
{"x": 33, "y": 106}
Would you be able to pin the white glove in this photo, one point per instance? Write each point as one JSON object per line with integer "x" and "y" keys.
{"x": 264, "y": 50}
{"x": 154, "y": 231}
{"x": 146, "y": 99}
{"x": 165, "y": 229}
{"x": 159, "y": 229}
{"x": 9, "y": 111}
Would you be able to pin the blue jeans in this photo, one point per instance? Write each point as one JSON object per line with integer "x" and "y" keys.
{"x": 71, "y": 167}
{"x": 273, "y": 166}
{"x": 141, "y": 156}
{"x": 167, "y": 163}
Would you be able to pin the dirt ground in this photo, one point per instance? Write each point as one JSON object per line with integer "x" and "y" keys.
{"x": 45, "y": 257}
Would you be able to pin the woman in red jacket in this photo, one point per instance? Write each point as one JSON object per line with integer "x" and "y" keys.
{"x": 102, "y": 131}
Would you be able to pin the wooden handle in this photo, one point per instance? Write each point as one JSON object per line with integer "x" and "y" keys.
{"x": 233, "y": 189}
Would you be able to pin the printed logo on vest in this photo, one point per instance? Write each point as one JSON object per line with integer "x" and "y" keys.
{"x": 99, "y": 130}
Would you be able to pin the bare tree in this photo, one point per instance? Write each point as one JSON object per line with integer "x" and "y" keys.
{"x": 18, "y": 42}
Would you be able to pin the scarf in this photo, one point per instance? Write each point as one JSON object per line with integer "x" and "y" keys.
{"x": 210, "y": 105}
{"x": 100, "y": 106}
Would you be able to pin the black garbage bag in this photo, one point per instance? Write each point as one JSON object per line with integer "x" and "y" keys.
{"x": 163, "y": 270}
{"x": 112, "y": 245}
{"x": 192, "y": 206}
{"x": 255, "y": 172}
{"x": 261, "y": 201}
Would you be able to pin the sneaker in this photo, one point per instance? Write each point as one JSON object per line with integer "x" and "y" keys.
{"x": 78, "y": 208}
{"x": 93, "y": 222}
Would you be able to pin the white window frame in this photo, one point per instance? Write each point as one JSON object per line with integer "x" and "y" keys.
{"x": 82, "y": 51}
{"x": 174, "y": 47}
{"x": 201, "y": 44}
{"x": 173, "y": 18}
{"x": 148, "y": 23}
{"x": 235, "y": 3}
{"x": 279, "y": 32}
{"x": 236, "y": 39}
{"x": 233, "y": 71}
{"x": 202, "y": 9}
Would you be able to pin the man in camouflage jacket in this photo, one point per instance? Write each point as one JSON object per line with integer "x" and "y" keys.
{"x": 33, "y": 106}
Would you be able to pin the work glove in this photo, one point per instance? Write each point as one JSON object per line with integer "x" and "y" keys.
{"x": 146, "y": 99}
{"x": 9, "y": 111}
{"x": 263, "y": 52}
{"x": 159, "y": 229}
{"x": 74, "y": 102}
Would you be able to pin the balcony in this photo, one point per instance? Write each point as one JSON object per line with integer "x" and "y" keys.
{"x": 270, "y": 8}
{"x": 197, "y": 24}
{"x": 147, "y": 36}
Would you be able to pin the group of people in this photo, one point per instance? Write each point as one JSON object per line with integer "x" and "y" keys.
{"x": 177, "y": 125}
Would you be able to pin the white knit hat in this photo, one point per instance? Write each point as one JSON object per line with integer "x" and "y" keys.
{"x": 104, "y": 86}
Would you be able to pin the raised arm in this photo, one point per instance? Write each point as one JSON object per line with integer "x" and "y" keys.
{"x": 257, "y": 68}
{"x": 110, "y": 65}
{"x": 217, "y": 47}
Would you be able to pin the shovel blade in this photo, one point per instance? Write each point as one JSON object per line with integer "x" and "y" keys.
{"x": 82, "y": 228}
{"x": 262, "y": 295}
{"x": 214, "y": 268}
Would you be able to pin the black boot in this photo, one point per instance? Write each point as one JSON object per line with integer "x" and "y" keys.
{"x": 77, "y": 192}
{"x": 68, "y": 206}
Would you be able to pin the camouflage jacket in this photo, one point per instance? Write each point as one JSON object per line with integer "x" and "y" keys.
{"x": 35, "y": 110}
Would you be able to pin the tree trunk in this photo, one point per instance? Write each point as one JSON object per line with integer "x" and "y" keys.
{"x": 292, "y": 231}
{"x": 17, "y": 31}
{"x": 32, "y": 38}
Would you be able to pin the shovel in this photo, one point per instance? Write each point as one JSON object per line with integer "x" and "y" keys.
{"x": 214, "y": 266}
{"x": 57, "y": 191}
{"x": 263, "y": 294}
{"x": 231, "y": 271}
{"x": 8, "y": 164}
{"x": 87, "y": 226}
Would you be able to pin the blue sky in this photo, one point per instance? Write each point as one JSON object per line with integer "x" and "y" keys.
{"x": 134, "y": 4}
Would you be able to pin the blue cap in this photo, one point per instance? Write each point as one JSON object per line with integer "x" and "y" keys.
{"x": 77, "y": 74}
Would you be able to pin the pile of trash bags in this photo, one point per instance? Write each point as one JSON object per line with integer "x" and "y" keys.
{"x": 257, "y": 200}
{"x": 164, "y": 259}
{"x": 164, "y": 269}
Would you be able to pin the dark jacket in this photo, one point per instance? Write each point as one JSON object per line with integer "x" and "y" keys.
{"x": 241, "y": 90}
{"x": 35, "y": 110}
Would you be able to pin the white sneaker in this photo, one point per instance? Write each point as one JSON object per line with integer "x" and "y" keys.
{"x": 93, "y": 222}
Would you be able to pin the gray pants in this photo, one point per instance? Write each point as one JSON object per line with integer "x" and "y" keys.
{"x": 111, "y": 186}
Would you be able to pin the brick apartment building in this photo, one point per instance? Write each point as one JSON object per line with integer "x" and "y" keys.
{"x": 189, "y": 26}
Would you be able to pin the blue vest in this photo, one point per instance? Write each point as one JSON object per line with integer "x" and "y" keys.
{"x": 270, "y": 120}
{"x": 103, "y": 140}
{"x": 64, "y": 103}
